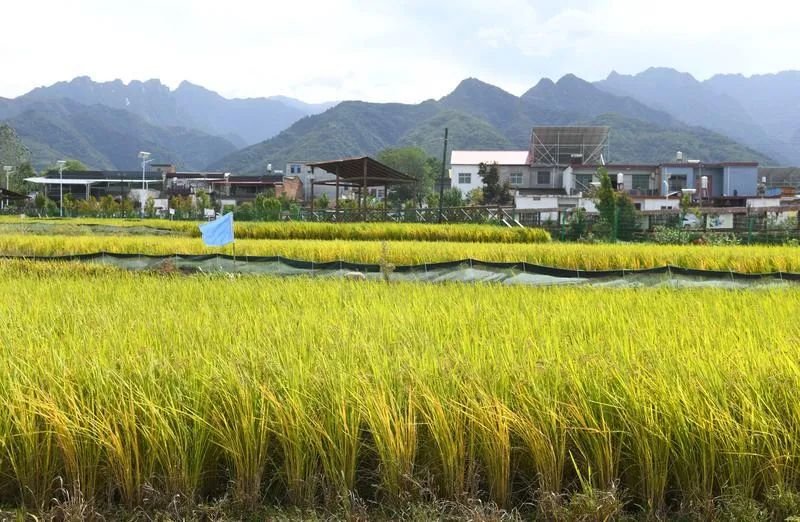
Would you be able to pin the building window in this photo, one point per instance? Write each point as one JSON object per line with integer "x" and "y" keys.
{"x": 677, "y": 183}
{"x": 543, "y": 177}
{"x": 464, "y": 178}
{"x": 640, "y": 182}
{"x": 583, "y": 181}
{"x": 295, "y": 169}
{"x": 515, "y": 178}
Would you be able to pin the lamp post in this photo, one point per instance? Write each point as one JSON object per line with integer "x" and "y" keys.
{"x": 8, "y": 169}
{"x": 61, "y": 164}
{"x": 145, "y": 157}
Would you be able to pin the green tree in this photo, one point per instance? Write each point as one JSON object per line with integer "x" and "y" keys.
{"x": 40, "y": 202}
{"x": 88, "y": 207}
{"x": 475, "y": 197}
{"x": 12, "y": 152}
{"x": 16, "y": 181}
{"x": 69, "y": 204}
{"x": 617, "y": 212}
{"x": 432, "y": 200}
{"x": 182, "y": 206}
{"x": 73, "y": 165}
{"x": 266, "y": 207}
{"x": 149, "y": 207}
{"x": 70, "y": 165}
{"x": 627, "y": 217}
{"x": 108, "y": 207}
{"x": 126, "y": 206}
{"x": 494, "y": 192}
{"x": 415, "y": 162}
{"x": 453, "y": 197}
{"x": 203, "y": 200}
{"x": 605, "y": 198}
{"x": 244, "y": 212}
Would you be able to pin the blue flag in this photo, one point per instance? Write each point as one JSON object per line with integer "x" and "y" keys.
{"x": 218, "y": 232}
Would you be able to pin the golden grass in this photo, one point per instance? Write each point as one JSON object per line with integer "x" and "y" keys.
{"x": 315, "y": 392}
{"x": 752, "y": 259}
{"x": 316, "y": 231}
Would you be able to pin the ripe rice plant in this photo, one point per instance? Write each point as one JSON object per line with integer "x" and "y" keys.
{"x": 750, "y": 259}
{"x": 302, "y": 230}
{"x": 313, "y": 393}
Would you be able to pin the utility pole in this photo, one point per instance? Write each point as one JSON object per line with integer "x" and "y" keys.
{"x": 441, "y": 179}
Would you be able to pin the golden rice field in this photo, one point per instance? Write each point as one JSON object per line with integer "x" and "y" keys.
{"x": 737, "y": 258}
{"x": 303, "y": 230}
{"x": 570, "y": 404}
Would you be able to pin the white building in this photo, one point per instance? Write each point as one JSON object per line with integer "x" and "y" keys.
{"x": 464, "y": 165}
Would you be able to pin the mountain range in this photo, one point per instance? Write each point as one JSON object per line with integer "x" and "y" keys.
{"x": 652, "y": 115}
{"x": 762, "y": 112}
{"x": 483, "y": 116}
{"x": 100, "y": 123}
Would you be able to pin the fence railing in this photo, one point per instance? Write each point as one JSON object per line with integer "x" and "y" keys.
{"x": 482, "y": 214}
{"x": 777, "y": 224}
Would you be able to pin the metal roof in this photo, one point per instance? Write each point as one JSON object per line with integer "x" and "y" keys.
{"x": 361, "y": 172}
{"x": 40, "y": 180}
{"x": 501, "y": 157}
{"x": 11, "y": 195}
{"x": 561, "y": 145}
{"x": 571, "y": 135}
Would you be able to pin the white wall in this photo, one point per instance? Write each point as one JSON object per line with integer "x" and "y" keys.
{"x": 659, "y": 203}
{"x": 475, "y": 180}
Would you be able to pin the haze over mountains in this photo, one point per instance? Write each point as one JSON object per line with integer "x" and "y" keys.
{"x": 652, "y": 115}
{"x": 762, "y": 112}
{"x": 190, "y": 125}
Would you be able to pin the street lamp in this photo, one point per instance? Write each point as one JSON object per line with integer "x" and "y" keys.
{"x": 8, "y": 169}
{"x": 61, "y": 164}
{"x": 145, "y": 157}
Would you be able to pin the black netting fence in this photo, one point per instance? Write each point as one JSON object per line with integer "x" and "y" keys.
{"x": 465, "y": 271}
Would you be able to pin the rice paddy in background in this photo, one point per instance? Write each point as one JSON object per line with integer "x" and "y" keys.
{"x": 286, "y": 230}
{"x": 564, "y": 402}
{"x": 750, "y": 259}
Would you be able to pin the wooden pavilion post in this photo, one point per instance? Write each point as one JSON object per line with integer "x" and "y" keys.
{"x": 364, "y": 190}
{"x": 337, "y": 193}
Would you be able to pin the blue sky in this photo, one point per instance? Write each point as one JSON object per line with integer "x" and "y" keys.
{"x": 402, "y": 50}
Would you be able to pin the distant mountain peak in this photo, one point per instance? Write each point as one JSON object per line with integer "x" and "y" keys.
{"x": 570, "y": 78}
{"x": 475, "y": 88}
{"x": 474, "y": 84}
{"x": 187, "y": 85}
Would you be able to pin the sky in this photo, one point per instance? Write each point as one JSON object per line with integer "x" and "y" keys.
{"x": 385, "y": 50}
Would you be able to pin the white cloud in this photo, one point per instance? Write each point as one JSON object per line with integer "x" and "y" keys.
{"x": 383, "y": 50}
